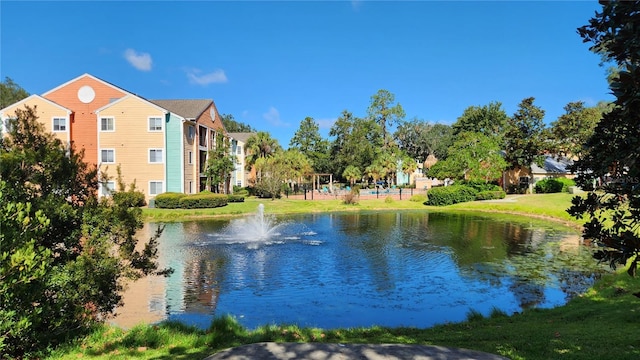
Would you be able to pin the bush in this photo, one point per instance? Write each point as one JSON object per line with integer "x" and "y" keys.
{"x": 554, "y": 185}
{"x": 350, "y": 198}
{"x": 491, "y": 195}
{"x": 235, "y": 198}
{"x": 203, "y": 201}
{"x": 449, "y": 195}
{"x": 169, "y": 200}
{"x": 241, "y": 192}
{"x": 388, "y": 199}
{"x": 132, "y": 198}
{"x": 481, "y": 186}
{"x": 418, "y": 198}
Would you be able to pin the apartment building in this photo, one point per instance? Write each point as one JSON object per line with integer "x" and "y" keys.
{"x": 161, "y": 145}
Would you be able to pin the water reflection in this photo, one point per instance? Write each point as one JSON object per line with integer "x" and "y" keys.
{"x": 388, "y": 268}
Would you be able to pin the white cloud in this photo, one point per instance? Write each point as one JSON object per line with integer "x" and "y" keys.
{"x": 197, "y": 77}
{"x": 140, "y": 61}
{"x": 273, "y": 117}
{"x": 326, "y": 123}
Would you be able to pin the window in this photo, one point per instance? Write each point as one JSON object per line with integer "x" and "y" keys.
{"x": 155, "y": 187}
{"x": 191, "y": 132}
{"x": 190, "y": 157}
{"x": 9, "y": 123}
{"x": 155, "y": 124}
{"x": 107, "y": 124}
{"x": 59, "y": 124}
{"x": 107, "y": 156}
{"x": 107, "y": 188}
{"x": 239, "y": 150}
{"x": 155, "y": 156}
{"x": 190, "y": 187}
{"x": 202, "y": 136}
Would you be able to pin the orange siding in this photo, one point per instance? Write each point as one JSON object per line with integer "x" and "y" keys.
{"x": 84, "y": 133}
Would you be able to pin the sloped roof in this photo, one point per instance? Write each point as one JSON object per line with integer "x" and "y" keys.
{"x": 241, "y": 136}
{"x": 553, "y": 165}
{"x": 92, "y": 77}
{"x": 188, "y": 109}
{"x": 35, "y": 96}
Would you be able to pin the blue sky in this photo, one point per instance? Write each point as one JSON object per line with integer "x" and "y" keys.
{"x": 271, "y": 64}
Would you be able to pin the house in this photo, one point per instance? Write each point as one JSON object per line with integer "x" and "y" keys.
{"x": 241, "y": 175}
{"x": 525, "y": 179}
{"x": 161, "y": 145}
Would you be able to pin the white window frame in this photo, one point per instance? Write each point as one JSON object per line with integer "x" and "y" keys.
{"x": 156, "y": 182}
{"x": 6, "y": 126}
{"x": 153, "y": 129}
{"x": 161, "y": 155}
{"x": 110, "y": 188}
{"x": 113, "y": 123}
{"x": 53, "y": 124}
{"x": 114, "y": 156}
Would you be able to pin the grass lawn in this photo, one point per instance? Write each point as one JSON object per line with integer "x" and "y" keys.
{"x": 600, "y": 324}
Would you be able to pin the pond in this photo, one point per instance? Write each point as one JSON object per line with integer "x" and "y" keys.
{"x": 408, "y": 268}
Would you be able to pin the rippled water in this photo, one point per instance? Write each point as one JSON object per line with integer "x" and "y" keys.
{"x": 345, "y": 270}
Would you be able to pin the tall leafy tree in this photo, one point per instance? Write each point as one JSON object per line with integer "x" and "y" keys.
{"x": 473, "y": 156}
{"x": 490, "y": 120}
{"x": 356, "y": 142}
{"x": 232, "y": 125}
{"x": 610, "y": 166}
{"x": 524, "y": 138}
{"x": 419, "y": 139}
{"x": 571, "y": 131}
{"x": 308, "y": 141}
{"x": 220, "y": 164}
{"x": 385, "y": 112}
{"x": 11, "y": 93}
{"x": 64, "y": 253}
{"x": 260, "y": 145}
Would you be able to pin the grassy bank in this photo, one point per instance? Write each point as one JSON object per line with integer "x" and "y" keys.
{"x": 600, "y": 324}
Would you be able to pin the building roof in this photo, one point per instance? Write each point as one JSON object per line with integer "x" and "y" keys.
{"x": 241, "y": 136}
{"x": 553, "y": 165}
{"x": 35, "y": 96}
{"x": 188, "y": 109}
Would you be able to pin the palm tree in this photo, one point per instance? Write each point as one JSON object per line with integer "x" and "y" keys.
{"x": 352, "y": 173}
{"x": 408, "y": 166}
{"x": 260, "y": 146}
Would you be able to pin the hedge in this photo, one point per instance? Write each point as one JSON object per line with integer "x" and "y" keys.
{"x": 554, "y": 185}
{"x": 203, "y": 201}
{"x": 481, "y": 186}
{"x": 449, "y": 195}
{"x": 168, "y": 200}
{"x": 235, "y": 198}
{"x": 491, "y": 195}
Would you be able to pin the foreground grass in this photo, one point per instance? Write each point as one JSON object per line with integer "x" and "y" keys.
{"x": 601, "y": 324}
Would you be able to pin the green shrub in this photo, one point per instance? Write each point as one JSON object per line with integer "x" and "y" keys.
{"x": 203, "y": 201}
{"x": 132, "y": 198}
{"x": 388, "y": 199}
{"x": 241, "y": 192}
{"x": 448, "y": 195}
{"x": 491, "y": 195}
{"x": 169, "y": 200}
{"x": 481, "y": 186}
{"x": 235, "y": 198}
{"x": 554, "y": 185}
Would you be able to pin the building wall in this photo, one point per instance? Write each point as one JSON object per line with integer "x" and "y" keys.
{"x": 45, "y": 111}
{"x": 190, "y": 161}
{"x": 131, "y": 140}
{"x": 84, "y": 133}
{"x": 174, "y": 176}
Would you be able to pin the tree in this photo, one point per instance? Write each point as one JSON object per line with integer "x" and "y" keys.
{"x": 524, "y": 141}
{"x": 384, "y": 113}
{"x": 420, "y": 139}
{"x": 573, "y": 128}
{"x": 11, "y": 93}
{"x": 609, "y": 168}
{"x": 260, "y": 145}
{"x": 296, "y": 165}
{"x": 409, "y": 165}
{"x": 356, "y": 142}
{"x": 64, "y": 253}
{"x": 474, "y": 157}
{"x": 290, "y": 165}
{"x": 220, "y": 164}
{"x": 232, "y": 125}
{"x": 489, "y": 120}
{"x": 352, "y": 174}
{"x": 308, "y": 140}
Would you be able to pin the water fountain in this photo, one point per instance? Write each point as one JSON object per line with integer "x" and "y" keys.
{"x": 259, "y": 228}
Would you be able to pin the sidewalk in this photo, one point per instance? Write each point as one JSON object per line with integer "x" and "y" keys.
{"x": 327, "y": 351}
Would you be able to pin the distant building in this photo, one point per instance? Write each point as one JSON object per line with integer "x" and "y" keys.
{"x": 240, "y": 175}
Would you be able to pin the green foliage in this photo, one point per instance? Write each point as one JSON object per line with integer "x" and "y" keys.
{"x": 418, "y": 198}
{"x": 220, "y": 163}
{"x": 388, "y": 200}
{"x": 351, "y": 198}
{"x": 489, "y": 120}
{"x": 55, "y": 235}
{"x": 570, "y": 132}
{"x": 131, "y": 197}
{"x": 553, "y": 185}
{"x": 448, "y": 195}
{"x": 490, "y": 195}
{"x": 169, "y": 200}
{"x": 524, "y": 140}
{"x": 232, "y": 125}
{"x": 235, "y": 198}
{"x": 482, "y": 186}
{"x": 309, "y": 142}
{"x": 352, "y": 174}
{"x": 419, "y": 139}
{"x": 384, "y": 113}
{"x": 203, "y": 201}
{"x": 11, "y": 93}
{"x": 609, "y": 168}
